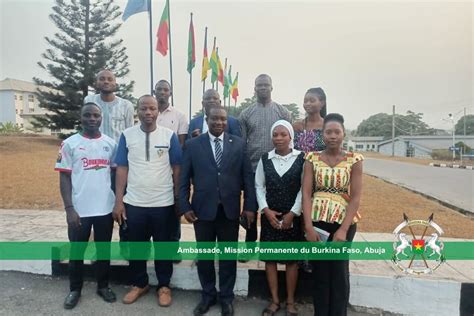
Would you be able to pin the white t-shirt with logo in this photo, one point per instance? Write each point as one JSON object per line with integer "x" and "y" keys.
{"x": 89, "y": 161}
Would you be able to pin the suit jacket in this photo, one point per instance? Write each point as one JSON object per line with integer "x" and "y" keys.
{"x": 233, "y": 125}
{"x": 213, "y": 185}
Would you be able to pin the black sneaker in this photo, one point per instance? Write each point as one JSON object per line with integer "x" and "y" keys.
{"x": 72, "y": 299}
{"x": 107, "y": 294}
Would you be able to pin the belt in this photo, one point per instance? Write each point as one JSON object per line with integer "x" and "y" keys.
{"x": 332, "y": 190}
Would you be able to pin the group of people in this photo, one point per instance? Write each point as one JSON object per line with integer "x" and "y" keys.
{"x": 147, "y": 176}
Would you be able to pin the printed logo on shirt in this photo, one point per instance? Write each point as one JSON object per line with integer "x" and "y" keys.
{"x": 95, "y": 164}
{"x": 161, "y": 150}
{"x": 106, "y": 149}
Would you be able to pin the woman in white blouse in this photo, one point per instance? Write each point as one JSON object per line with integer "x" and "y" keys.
{"x": 278, "y": 184}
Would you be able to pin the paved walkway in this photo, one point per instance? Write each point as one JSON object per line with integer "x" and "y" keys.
{"x": 374, "y": 284}
{"x": 452, "y": 186}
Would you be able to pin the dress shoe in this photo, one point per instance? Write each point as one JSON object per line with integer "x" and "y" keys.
{"x": 72, "y": 299}
{"x": 107, "y": 294}
{"x": 164, "y": 296}
{"x": 134, "y": 294}
{"x": 227, "y": 309}
{"x": 203, "y": 307}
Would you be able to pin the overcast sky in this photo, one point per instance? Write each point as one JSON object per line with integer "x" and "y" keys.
{"x": 367, "y": 56}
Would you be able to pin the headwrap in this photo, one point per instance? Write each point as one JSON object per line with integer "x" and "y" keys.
{"x": 288, "y": 127}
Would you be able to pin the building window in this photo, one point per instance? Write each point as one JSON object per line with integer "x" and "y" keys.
{"x": 31, "y": 98}
{"x": 31, "y": 110}
{"x": 373, "y": 146}
{"x": 21, "y": 111}
{"x": 359, "y": 146}
{"x": 16, "y": 97}
{"x": 21, "y": 98}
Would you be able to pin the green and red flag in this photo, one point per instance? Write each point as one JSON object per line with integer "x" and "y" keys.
{"x": 191, "y": 47}
{"x": 418, "y": 246}
{"x": 214, "y": 66}
{"x": 163, "y": 31}
{"x": 235, "y": 88}
{"x": 205, "y": 60}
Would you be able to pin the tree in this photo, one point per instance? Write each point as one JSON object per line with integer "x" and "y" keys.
{"x": 10, "y": 128}
{"x": 83, "y": 46}
{"x": 459, "y": 127}
{"x": 381, "y": 125}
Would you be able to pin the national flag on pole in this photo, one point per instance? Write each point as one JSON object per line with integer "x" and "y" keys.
{"x": 191, "y": 47}
{"x": 220, "y": 76}
{"x": 163, "y": 31}
{"x": 205, "y": 60}
{"x": 133, "y": 7}
{"x": 418, "y": 246}
{"x": 235, "y": 88}
{"x": 213, "y": 64}
{"x": 227, "y": 82}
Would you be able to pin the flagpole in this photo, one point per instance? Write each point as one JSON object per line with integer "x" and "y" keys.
{"x": 225, "y": 74}
{"x": 151, "y": 46}
{"x": 204, "y": 81}
{"x": 217, "y": 81}
{"x": 213, "y": 87}
{"x": 190, "y": 79}
{"x": 171, "y": 58}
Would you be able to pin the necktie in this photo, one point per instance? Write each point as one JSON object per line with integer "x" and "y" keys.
{"x": 218, "y": 149}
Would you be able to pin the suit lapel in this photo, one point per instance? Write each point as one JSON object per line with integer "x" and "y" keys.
{"x": 206, "y": 145}
{"x": 228, "y": 148}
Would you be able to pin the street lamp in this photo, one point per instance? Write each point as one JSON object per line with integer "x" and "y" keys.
{"x": 451, "y": 117}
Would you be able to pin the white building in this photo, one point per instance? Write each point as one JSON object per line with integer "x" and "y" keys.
{"x": 19, "y": 105}
{"x": 362, "y": 143}
{"x": 421, "y": 146}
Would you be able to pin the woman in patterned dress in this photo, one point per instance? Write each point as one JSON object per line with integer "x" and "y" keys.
{"x": 336, "y": 176}
{"x": 308, "y": 132}
{"x": 278, "y": 185}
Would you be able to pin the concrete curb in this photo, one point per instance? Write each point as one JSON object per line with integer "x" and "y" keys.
{"x": 443, "y": 165}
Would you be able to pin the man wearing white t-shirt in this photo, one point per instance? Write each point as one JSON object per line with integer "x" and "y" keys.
{"x": 148, "y": 163}
{"x": 84, "y": 163}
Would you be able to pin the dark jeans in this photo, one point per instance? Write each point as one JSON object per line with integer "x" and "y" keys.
{"x": 222, "y": 229}
{"x": 331, "y": 285}
{"x": 143, "y": 223}
{"x": 102, "y": 226}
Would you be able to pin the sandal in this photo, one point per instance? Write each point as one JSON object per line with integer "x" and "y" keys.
{"x": 288, "y": 313}
{"x": 270, "y": 312}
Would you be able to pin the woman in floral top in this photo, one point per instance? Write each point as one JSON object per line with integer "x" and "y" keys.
{"x": 332, "y": 206}
{"x": 308, "y": 132}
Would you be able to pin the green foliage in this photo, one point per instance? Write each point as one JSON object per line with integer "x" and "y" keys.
{"x": 10, "y": 128}
{"x": 83, "y": 46}
{"x": 381, "y": 125}
{"x": 465, "y": 148}
{"x": 459, "y": 127}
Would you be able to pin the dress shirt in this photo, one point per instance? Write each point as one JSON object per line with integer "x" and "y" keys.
{"x": 282, "y": 164}
{"x": 213, "y": 144}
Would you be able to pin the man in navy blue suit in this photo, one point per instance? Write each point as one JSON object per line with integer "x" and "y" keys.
{"x": 198, "y": 125}
{"x": 217, "y": 164}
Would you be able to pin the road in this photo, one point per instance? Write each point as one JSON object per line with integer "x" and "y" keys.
{"x": 31, "y": 294}
{"x": 453, "y": 186}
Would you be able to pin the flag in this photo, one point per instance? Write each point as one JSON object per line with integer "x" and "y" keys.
{"x": 205, "y": 60}
{"x": 163, "y": 30}
{"x": 227, "y": 82}
{"x": 191, "y": 47}
{"x": 213, "y": 64}
{"x": 134, "y": 6}
{"x": 220, "y": 73}
{"x": 235, "y": 88}
{"x": 418, "y": 246}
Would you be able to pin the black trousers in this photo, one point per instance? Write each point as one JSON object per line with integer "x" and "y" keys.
{"x": 103, "y": 226}
{"x": 144, "y": 223}
{"x": 331, "y": 285}
{"x": 251, "y": 233}
{"x": 220, "y": 229}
